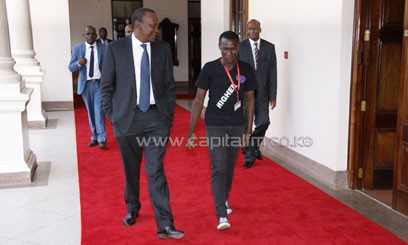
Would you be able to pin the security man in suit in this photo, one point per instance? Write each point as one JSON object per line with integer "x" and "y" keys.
{"x": 262, "y": 56}
{"x": 139, "y": 99}
{"x": 103, "y": 36}
{"x": 87, "y": 59}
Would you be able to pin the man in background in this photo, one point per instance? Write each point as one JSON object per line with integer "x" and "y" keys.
{"x": 128, "y": 30}
{"x": 262, "y": 57}
{"x": 87, "y": 59}
{"x": 103, "y": 36}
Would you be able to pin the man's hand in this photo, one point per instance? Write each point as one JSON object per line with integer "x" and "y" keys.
{"x": 190, "y": 141}
{"x": 272, "y": 103}
{"x": 245, "y": 140}
{"x": 82, "y": 61}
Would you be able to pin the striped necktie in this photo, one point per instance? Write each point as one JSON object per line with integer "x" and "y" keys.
{"x": 256, "y": 53}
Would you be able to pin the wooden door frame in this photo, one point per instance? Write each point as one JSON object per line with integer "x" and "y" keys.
{"x": 356, "y": 116}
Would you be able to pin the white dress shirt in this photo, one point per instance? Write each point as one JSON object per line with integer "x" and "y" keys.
{"x": 97, "y": 72}
{"x": 137, "y": 58}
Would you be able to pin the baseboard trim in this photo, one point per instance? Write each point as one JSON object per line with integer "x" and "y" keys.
{"x": 301, "y": 165}
{"x": 58, "y": 105}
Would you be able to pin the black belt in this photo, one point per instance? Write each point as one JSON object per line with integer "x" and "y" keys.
{"x": 93, "y": 80}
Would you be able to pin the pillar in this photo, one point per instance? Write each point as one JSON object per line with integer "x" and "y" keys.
{"x": 17, "y": 160}
{"x": 22, "y": 50}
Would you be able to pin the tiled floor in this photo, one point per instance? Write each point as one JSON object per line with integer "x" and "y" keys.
{"x": 48, "y": 212}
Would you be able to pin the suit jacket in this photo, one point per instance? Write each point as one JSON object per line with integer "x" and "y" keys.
{"x": 118, "y": 84}
{"x": 78, "y": 53}
{"x": 99, "y": 40}
{"x": 266, "y": 72}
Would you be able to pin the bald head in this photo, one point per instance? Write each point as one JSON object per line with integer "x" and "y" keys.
{"x": 253, "y": 29}
{"x": 90, "y": 34}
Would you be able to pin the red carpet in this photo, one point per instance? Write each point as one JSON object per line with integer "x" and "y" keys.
{"x": 270, "y": 204}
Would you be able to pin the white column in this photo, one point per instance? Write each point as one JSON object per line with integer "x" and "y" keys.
{"x": 17, "y": 161}
{"x": 21, "y": 42}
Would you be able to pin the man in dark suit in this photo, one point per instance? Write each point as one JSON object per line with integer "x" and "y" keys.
{"x": 139, "y": 99}
{"x": 87, "y": 59}
{"x": 261, "y": 55}
{"x": 103, "y": 36}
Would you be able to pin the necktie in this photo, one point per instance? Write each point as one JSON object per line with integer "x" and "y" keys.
{"x": 144, "y": 101}
{"x": 256, "y": 53}
{"x": 91, "y": 63}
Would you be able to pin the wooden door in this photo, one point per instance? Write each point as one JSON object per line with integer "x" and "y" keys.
{"x": 400, "y": 190}
{"x": 382, "y": 29}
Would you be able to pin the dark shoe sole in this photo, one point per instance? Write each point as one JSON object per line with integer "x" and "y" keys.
{"x": 163, "y": 236}
{"x": 92, "y": 144}
{"x": 248, "y": 164}
{"x": 131, "y": 223}
{"x": 128, "y": 224}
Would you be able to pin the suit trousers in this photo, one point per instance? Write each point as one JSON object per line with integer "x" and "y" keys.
{"x": 223, "y": 145}
{"x": 261, "y": 125}
{"x": 147, "y": 135}
{"x": 93, "y": 102}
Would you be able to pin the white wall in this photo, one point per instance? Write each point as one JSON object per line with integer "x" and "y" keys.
{"x": 97, "y": 13}
{"x": 51, "y": 38}
{"x": 314, "y": 83}
{"x": 214, "y": 21}
{"x": 343, "y": 118}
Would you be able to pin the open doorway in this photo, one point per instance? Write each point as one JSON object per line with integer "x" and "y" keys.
{"x": 194, "y": 42}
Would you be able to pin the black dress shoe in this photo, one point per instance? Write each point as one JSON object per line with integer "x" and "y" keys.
{"x": 102, "y": 145}
{"x": 259, "y": 155}
{"x": 130, "y": 218}
{"x": 92, "y": 143}
{"x": 249, "y": 164}
{"x": 170, "y": 232}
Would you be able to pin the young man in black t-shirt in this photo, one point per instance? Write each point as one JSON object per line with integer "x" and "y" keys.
{"x": 230, "y": 83}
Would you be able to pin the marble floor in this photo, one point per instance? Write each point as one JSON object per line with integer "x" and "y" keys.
{"x": 48, "y": 210}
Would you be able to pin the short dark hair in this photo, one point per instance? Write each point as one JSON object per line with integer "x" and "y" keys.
{"x": 229, "y": 35}
{"x": 139, "y": 13}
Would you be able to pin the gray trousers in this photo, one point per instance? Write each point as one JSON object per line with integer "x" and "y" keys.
{"x": 148, "y": 135}
{"x": 223, "y": 146}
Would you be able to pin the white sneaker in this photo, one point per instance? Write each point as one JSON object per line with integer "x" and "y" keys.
{"x": 227, "y": 206}
{"x": 223, "y": 224}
